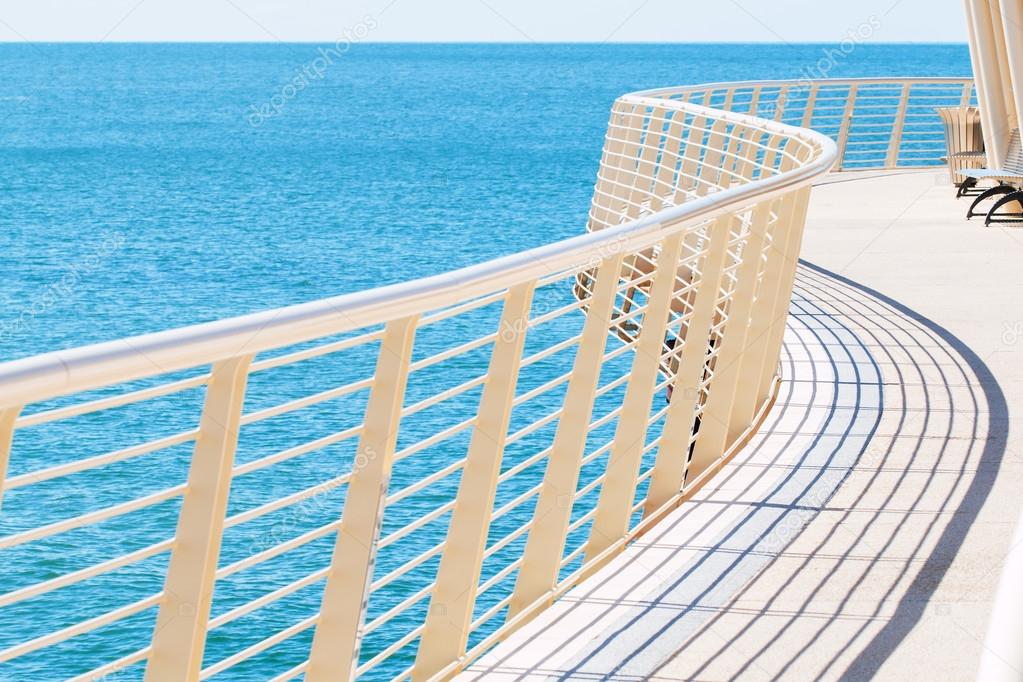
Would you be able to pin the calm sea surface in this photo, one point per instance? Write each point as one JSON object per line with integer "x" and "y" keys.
{"x": 144, "y": 187}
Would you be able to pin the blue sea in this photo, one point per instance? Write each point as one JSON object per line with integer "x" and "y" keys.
{"x": 145, "y": 187}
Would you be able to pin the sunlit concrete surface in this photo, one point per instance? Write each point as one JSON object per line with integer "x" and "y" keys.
{"x": 862, "y": 532}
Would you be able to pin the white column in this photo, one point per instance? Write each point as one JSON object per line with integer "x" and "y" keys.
{"x": 990, "y": 96}
{"x": 1012, "y": 22}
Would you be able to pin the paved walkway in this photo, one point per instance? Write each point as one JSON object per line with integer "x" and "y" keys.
{"x": 861, "y": 533}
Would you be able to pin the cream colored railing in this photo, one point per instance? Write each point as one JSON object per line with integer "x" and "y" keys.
{"x": 876, "y": 122}
{"x": 463, "y": 480}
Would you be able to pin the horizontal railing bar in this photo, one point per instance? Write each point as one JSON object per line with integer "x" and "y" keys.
{"x": 278, "y": 549}
{"x": 506, "y": 540}
{"x": 434, "y": 439}
{"x": 91, "y": 517}
{"x": 318, "y": 351}
{"x": 541, "y": 389}
{"x": 452, "y": 352}
{"x": 386, "y": 580}
{"x": 80, "y": 628}
{"x": 397, "y": 609}
{"x": 490, "y": 613}
{"x": 386, "y": 653}
{"x": 299, "y": 403}
{"x": 87, "y": 463}
{"x": 455, "y": 310}
{"x": 549, "y": 351}
{"x": 297, "y": 451}
{"x": 258, "y": 647}
{"x": 444, "y": 395}
{"x": 292, "y": 673}
{"x": 426, "y": 481}
{"x": 532, "y": 492}
{"x": 74, "y": 577}
{"x": 287, "y": 500}
{"x": 102, "y": 671}
{"x": 111, "y": 402}
{"x": 268, "y": 598}
{"x": 416, "y": 525}
{"x": 498, "y": 577}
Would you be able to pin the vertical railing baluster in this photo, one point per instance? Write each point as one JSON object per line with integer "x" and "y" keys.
{"x": 779, "y": 103}
{"x": 614, "y": 506}
{"x": 767, "y": 307}
{"x": 689, "y": 169}
{"x": 619, "y": 145}
{"x": 747, "y": 380}
{"x": 335, "y": 648}
{"x": 664, "y": 185}
{"x": 793, "y": 239}
{"x": 647, "y": 159}
{"x": 548, "y": 529}
{"x": 672, "y": 451}
{"x": 179, "y": 636}
{"x": 714, "y": 421}
{"x": 454, "y": 596}
{"x": 892, "y": 158}
{"x": 967, "y": 96}
{"x": 811, "y": 104}
{"x": 754, "y": 101}
{"x": 713, "y": 157}
{"x": 8, "y": 416}
{"x": 846, "y": 124}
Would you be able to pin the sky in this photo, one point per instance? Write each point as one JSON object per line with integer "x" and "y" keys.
{"x": 481, "y": 20}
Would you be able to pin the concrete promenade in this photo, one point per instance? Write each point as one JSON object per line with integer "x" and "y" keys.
{"x": 862, "y": 532}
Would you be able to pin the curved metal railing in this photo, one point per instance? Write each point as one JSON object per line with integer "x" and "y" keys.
{"x": 384, "y": 484}
{"x": 876, "y": 122}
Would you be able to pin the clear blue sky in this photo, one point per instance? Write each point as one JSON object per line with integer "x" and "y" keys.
{"x": 481, "y": 20}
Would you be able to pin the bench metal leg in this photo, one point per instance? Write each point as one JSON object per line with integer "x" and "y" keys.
{"x": 1013, "y": 216}
{"x": 987, "y": 194}
{"x": 963, "y": 186}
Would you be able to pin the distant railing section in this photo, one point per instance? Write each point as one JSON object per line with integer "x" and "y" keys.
{"x": 385, "y": 484}
{"x": 876, "y": 122}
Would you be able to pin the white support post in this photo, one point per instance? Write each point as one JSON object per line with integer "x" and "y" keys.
{"x": 673, "y": 450}
{"x": 179, "y": 636}
{"x": 548, "y": 529}
{"x": 895, "y": 142}
{"x": 335, "y": 648}
{"x": 715, "y": 421}
{"x": 790, "y": 240}
{"x": 846, "y": 124}
{"x": 8, "y": 415}
{"x": 614, "y": 507}
{"x": 447, "y": 624}
{"x": 1012, "y": 20}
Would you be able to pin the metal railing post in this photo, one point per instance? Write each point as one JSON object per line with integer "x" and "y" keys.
{"x": 762, "y": 314}
{"x": 7, "y": 418}
{"x": 446, "y": 629}
{"x": 846, "y": 124}
{"x": 892, "y": 159}
{"x": 335, "y": 648}
{"x": 811, "y": 105}
{"x": 548, "y": 529}
{"x": 614, "y": 506}
{"x": 673, "y": 450}
{"x": 179, "y": 636}
{"x": 793, "y": 239}
{"x": 715, "y": 419}
{"x": 620, "y": 146}
{"x": 768, "y": 307}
